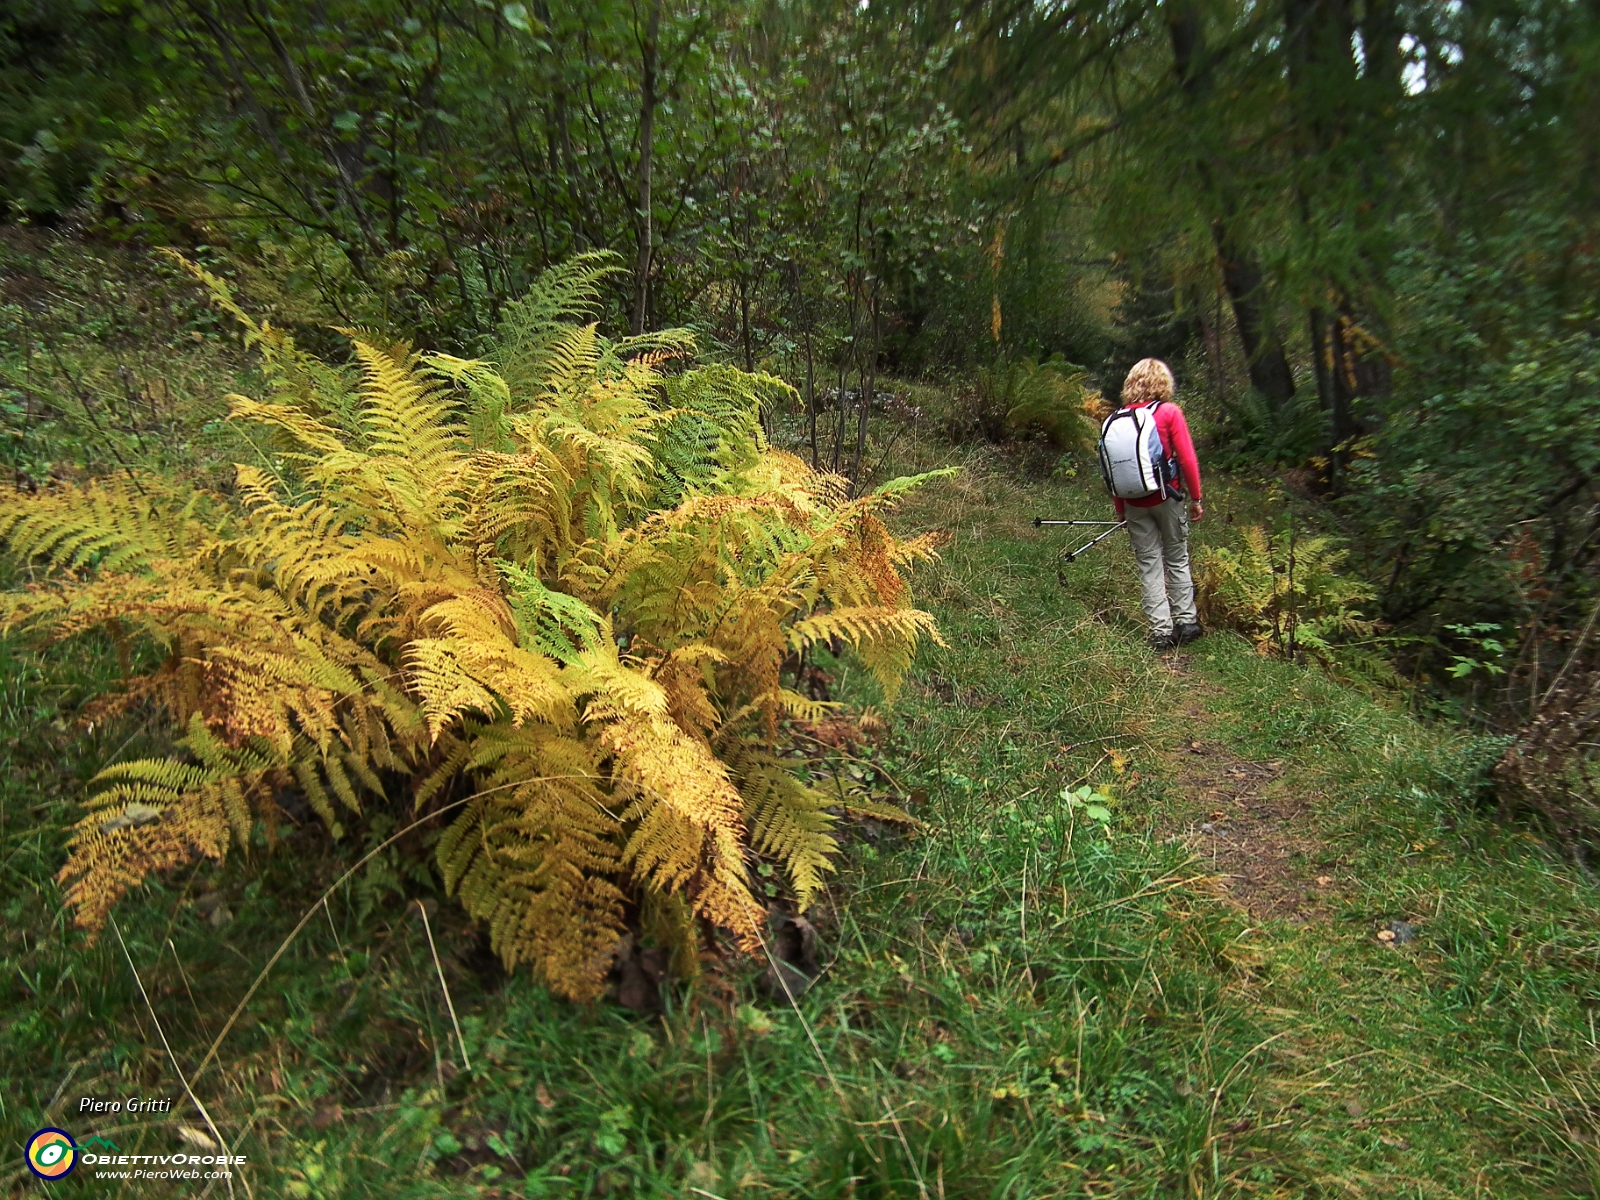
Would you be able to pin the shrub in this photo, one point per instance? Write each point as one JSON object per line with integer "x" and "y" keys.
{"x": 1285, "y": 593}
{"x": 547, "y": 606}
{"x": 1253, "y": 429}
{"x": 1026, "y": 398}
{"x": 1550, "y": 768}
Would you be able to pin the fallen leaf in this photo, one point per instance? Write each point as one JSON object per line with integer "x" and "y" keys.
{"x": 1324, "y": 880}
{"x": 543, "y": 1097}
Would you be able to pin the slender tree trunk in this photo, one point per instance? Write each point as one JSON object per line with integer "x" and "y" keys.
{"x": 811, "y": 397}
{"x": 1325, "y": 89}
{"x": 1242, "y": 276}
{"x": 744, "y": 323}
{"x": 840, "y": 417}
{"x": 811, "y": 359}
{"x": 647, "y": 136}
{"x": 841, "y": 424}
{"x": 1211, "y": 337}
{"x": 1339, "y": 380}
{"x": 867, "y": 385}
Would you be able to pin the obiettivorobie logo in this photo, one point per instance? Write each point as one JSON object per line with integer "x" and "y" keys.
{"x": 52, "y": 1154}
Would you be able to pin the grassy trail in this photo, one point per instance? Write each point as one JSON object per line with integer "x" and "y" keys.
{"x": 1459, "y": 1063}
{"x": 1170, "y": 986}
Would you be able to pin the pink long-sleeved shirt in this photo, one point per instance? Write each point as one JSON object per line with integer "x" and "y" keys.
{"x": 1174, "y": 431}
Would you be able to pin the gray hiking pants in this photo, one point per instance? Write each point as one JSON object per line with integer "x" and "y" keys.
{"x": 1160, "y": 538}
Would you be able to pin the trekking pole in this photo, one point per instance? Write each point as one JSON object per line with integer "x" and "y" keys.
{"x": 1091, "y": 543}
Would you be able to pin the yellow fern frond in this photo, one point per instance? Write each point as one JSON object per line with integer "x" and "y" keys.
{"x": 534, "y": 857}
{"x": 804, "y": 707}
{"x": 691, "y": 827}
{"x": 864, "y": 625}
{"x": 561, "y": 591}
{"x": 787, "y": 820}
{"x": 114, "y": 524}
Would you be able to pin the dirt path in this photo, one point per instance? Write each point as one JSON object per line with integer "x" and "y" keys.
{"x": 1248, "y": 821}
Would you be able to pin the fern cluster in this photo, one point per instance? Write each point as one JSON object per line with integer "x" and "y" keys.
{"x": 1287, "y": 594}
{"x": 1049, "y": 398}
{"x": 548, "y": 599}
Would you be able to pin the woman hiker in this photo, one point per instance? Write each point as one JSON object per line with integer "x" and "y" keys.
{"x": 1158, "y": 525}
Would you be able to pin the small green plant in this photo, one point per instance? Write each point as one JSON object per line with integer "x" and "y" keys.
{"x": 1484, "y": 637}
{"x": 1093, "y": 803}
{"x": 1287, "y": 593}
{"x": 1024, "y": 397}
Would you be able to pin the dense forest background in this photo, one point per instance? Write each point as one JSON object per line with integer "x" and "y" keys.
{"x": 1364, "y": 230}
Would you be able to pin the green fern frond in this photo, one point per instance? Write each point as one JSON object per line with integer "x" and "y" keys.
{"x": 551, "y": 622}
{"x": 563, "y": 295}
{"x": 788, "y": 820}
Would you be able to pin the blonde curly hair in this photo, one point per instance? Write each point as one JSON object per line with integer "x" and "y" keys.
{"x": 1149, "y": 380}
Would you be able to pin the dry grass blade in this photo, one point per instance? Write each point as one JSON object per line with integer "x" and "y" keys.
{"x": 173, "y": 1059}
{"x": 922, "y": 1187}
{"x": 461, "y": 1042}
{"x": 233, "y": 1017}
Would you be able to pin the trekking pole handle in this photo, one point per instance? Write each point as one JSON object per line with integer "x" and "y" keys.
{"x": 1038, "y": 521}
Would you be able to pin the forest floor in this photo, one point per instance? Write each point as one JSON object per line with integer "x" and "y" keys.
{"x": 1191, "y": 996}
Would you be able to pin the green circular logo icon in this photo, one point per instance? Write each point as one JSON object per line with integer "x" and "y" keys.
{"x": 52, "y": 1154}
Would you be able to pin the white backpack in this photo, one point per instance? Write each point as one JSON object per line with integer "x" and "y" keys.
{"x": 1132, "y": 459}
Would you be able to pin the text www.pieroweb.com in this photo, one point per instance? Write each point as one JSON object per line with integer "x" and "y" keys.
{"x": 164, "y": 1166}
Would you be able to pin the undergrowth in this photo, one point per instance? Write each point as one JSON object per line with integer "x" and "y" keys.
{"x": 1022, "y": 1000}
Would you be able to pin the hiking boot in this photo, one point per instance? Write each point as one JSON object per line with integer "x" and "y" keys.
{"x": 1163, "y": 641}
{"x": 1187, "y": 632}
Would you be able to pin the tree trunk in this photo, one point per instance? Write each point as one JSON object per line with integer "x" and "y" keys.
{"x": 1381, "y": 31}
{"x": 744, "y": 323}
{"x": 1242, "y": 276}
{"x": 867, "y": 385}
{"x": 811, "y": 360}
{"x": 1263, "y": 350}
{"x": 647, "y": 131}
{"x": 1324, "y": 87}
